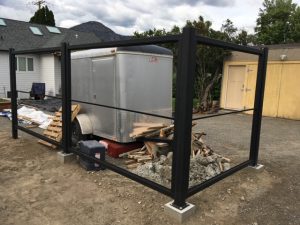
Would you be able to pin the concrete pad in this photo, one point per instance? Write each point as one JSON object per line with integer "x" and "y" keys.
{"x": 66, "y": 158}
{"x": 180, "y": 215}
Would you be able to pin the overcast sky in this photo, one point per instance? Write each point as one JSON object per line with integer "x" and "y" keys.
{"x": 127, "y": 16}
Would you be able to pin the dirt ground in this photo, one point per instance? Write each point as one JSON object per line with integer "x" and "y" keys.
{"x": 36, "y": 189}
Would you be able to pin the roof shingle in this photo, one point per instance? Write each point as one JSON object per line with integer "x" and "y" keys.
{"x": 17, "y": 35}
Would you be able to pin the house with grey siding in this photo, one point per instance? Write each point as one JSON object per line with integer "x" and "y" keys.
{"x": 44, "y": 68}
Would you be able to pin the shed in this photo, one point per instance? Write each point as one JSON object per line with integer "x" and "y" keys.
{"x": 282, "y": 94}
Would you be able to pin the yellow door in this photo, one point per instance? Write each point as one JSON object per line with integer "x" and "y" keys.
{"x": 251, "y": 74}
{"x": 271, "y": 88}
{"x": 289, "y": 96}
{"x": 235, "y": 87}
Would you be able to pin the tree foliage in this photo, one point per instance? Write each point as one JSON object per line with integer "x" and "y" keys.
{"x": 43, "y": 16}
{"x": 278, "y": 22}
{"x": 209, "y": 59}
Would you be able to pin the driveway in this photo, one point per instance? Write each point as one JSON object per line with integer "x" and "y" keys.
{"x": 36, "y": 189}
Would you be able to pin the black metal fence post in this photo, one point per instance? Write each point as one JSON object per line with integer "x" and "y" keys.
{"x": 258, "y": 106}
{"x": 183, "y": 116}
{"x": 183, "y": 113}
{"x": 13, "y": 92}
{"x": 66, "y": 98}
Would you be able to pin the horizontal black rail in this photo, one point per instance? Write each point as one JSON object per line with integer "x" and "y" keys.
{"x": 49, "y": 96}
{"x": 122, "y": 109}
{"x": 187, "y": 43}
{"x": 38, "y": 50}
{"x": 227, "y": 45}
{"x": 130, "y": 42}
{"x": 157, "y": 187}
{"x": 199, "y": 187}
{"x": 40, "y": 136}
{"x": 222, "y": 114}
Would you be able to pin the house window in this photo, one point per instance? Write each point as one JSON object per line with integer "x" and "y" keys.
{"x": 16, "y": 63}
{"x": 22, "y": 63}
{"x": 29, "y": 64}
{"x": 53, "y": 30}
{"x": 2, "y": 22}
{"x": 36, "y": 30}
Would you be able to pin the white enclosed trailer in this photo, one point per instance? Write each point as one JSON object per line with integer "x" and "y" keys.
{"x": 135, "y": 78}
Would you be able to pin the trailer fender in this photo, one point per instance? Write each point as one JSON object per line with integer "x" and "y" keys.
{"x": 85, "y": 123}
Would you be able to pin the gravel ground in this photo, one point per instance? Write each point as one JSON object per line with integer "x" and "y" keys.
{"x": 36, "y": 189}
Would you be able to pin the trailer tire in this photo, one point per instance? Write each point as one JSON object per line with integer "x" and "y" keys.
{"x": 77, "y": 133}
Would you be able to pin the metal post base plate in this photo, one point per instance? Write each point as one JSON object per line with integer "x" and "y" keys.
{"x": 180, "y": 215}
{"x": 65, "y": 157}
{"x": 258, "y": 167}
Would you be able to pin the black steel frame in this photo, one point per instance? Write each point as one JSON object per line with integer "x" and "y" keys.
{"x": 181, "y": 143}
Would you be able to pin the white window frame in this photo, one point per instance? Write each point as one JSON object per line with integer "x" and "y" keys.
{"x": 26, "y": 64}
{"x": 27, "y": 68}
{"x": 23, "y": 57}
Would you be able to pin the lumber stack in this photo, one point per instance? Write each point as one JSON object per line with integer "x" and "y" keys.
{"x": 199, "y": 148}
{"x": 136, "y": 157}
{"x": 153, "y": 130}
{"x": 54, "y": 130}
{"x": 150, "y": 150}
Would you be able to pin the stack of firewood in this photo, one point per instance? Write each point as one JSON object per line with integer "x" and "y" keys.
{"x": 152, "y": 130}
{"x": 150, "y": 150}
{"x": 199, "y": 148}
{"x": 136, "y": 157}
{"x": 204, "y": 162}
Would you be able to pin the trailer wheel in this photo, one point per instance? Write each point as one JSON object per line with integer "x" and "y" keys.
{"x": 77, "y": 133}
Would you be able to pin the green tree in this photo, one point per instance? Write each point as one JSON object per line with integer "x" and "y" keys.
{"x": 209, "y": 59}
{"x": 43, "y": 16}
{"x": 229, "y": 31}
{"x": 243, "y": 38}
{"x": 278, "y": 22}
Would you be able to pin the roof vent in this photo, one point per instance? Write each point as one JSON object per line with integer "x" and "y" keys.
{"x": 36, "y": 30}
{"x": 283, "y": 57}
{"x": 2, "y": 22}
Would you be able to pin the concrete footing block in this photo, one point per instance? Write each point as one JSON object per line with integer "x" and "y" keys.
{"x": 180, "y": 215}
{"x": 258, "y": 167}
{"x": 66, "y": 157}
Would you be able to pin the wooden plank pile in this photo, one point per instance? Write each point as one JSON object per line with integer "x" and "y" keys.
{"x": 150, "y": 150}
{"x": 199, "y": 148}
{"x": 54, "y": 130}
{"x": 31, "y": 123}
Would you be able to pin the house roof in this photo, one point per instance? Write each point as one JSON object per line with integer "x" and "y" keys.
{"x": 17, "y": 34}
{"x": 291, "y": 51}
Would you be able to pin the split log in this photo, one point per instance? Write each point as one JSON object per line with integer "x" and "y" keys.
{"x": 133, "y": 166}
{"x": 130, "y": 161}
{"x": 127, "y": 153}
